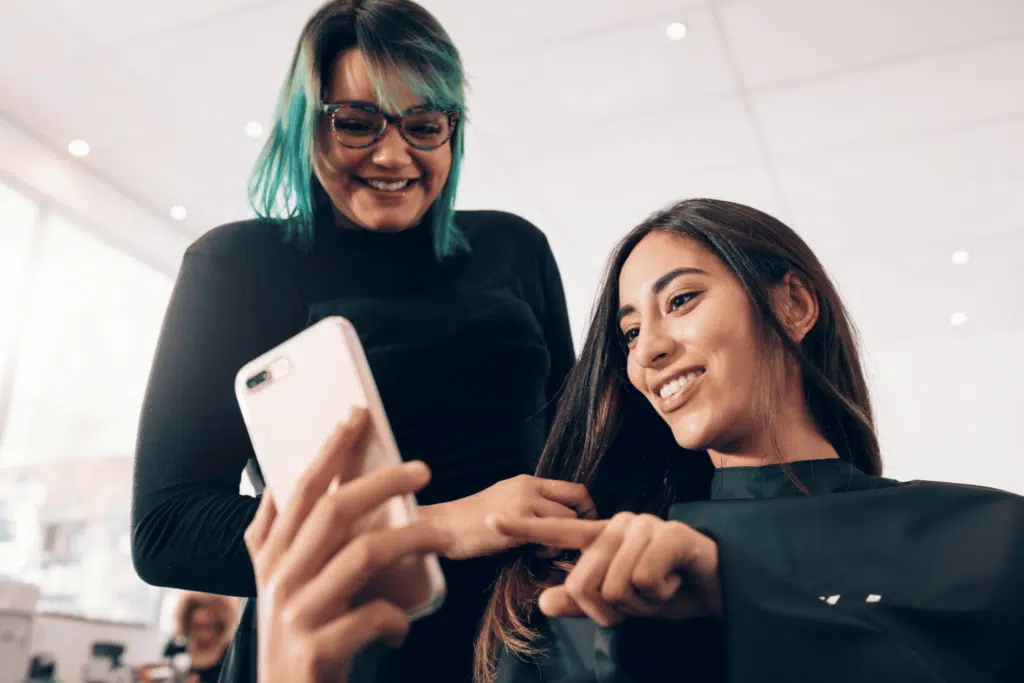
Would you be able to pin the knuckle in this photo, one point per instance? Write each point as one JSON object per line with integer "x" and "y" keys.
{"x": 365, "y": 552}
{"x": 623, "y": 517}
{"x": 338, "y": 511}
{"x": 615, "y": 593}
{"x": 383, "y": 615}
{"x": 290, "y": 617}
{"x": 675, "y": 530}
{"x": 578, "y": 587}
{"x": 522, "y": 481}
{"x": 645, "y": 579}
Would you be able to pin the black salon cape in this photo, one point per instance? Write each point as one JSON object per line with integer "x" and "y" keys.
{"x": 865, "y": 580}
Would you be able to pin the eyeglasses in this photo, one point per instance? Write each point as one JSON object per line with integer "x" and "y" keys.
{"x": 359, "y": 125}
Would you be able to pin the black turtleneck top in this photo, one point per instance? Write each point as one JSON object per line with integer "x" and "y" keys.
{"x": 468, "y": 353}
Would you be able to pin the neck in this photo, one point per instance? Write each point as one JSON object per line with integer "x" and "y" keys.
{"x": 797, "y": 438}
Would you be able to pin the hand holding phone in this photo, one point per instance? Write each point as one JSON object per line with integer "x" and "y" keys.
{"x": 313, "y": 565}
{"x": 292, "y": 399}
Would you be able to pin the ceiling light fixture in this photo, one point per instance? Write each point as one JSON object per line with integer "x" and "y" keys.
{"x": 178, "y": 212}
{"x": 254, "y": 129}
{"x": 78, "y": 148}
{"x": 676, "y": 31}
{"x": 958, "y": 319}
{"x": 961, "y": 257}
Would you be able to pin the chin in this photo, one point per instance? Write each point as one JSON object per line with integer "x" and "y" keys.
{"x": 387, "y": 223}
{"x": 689, "y": 433}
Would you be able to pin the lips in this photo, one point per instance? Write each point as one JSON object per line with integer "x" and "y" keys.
{"x": 676, "y": 391}
{"x": 677, "y": 383}
{"x": 388, "y": 184}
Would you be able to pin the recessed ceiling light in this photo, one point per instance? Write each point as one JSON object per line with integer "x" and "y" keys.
{"x": 958, "y": 319}
{"x": 961, "y": 257}
{"x": 254, "y": 129}
{"x": 676, "y": 31}
{"x": 78, "y": 148}
{"x": 178, "y": 212}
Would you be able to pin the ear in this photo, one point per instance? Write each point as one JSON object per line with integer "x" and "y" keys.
{"x": 796, "y": 306}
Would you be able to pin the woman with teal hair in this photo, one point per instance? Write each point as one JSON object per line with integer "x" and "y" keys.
{"x": 462, "y": 315}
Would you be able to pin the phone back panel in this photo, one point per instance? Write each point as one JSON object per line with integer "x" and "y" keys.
{"x": 315, "y": 380}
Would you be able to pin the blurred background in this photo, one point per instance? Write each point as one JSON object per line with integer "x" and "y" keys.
{"x": 888, "y": 133}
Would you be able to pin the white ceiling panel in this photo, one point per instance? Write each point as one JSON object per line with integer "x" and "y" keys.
{"x": 776, "y": 41}
{"x": 500, "y": 28}
{"x": 598, "y": 77}
{"x": 225, "y": 69}
{"x": 113, "y": 22}
{"x": 930, "y": 94}
{"x": 29, "y": 35}
{"x": 910, "y": 291}
{"x": 951, "y": 219}
{"x": 601, "y": 215}
{"x": 94, "y": 98}
{"x": 669, "y": 139}
{"x": 904, "y": 183}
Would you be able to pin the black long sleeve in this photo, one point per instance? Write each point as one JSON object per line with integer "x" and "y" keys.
{"x": 188, "y": 517}
{"x": 467, "y": 353}
{"x": 557, "y": 332}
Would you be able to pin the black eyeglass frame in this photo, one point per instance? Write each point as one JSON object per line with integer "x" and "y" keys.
{"x": 333, "y": 108}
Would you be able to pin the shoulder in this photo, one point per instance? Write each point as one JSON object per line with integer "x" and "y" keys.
{"x": 501, "y": 227}
{"x": 241, "y": 239}
{"x": 983, "y": 495}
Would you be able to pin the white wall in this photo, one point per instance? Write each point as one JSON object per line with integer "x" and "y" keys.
{"x": 69, "y": 640}
{"x": 951, "y": 409}
{"x": 88, "y": 200}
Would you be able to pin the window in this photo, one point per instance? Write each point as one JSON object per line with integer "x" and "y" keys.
{"x": 92, "y": 317}
{"x": 17, "y": 223}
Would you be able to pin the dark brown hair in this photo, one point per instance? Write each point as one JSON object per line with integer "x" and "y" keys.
{"x": 607, "y": 436}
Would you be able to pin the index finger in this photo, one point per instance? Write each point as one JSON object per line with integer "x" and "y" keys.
{"x": 554, "y": 532}
{"x": 571, "y": 494}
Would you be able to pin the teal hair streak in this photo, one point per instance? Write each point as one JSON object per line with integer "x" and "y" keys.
{"x": 281, "y": 185}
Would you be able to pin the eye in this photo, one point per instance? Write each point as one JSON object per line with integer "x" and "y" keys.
{"x": 680, "y": 300}
{"x": 630, "y": 335}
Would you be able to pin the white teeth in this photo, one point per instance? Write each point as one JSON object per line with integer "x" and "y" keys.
{"x": 670, "y": 389}
{"x": 388, "y": 187}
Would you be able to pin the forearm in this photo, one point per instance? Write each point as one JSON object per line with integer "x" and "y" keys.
{"x": 195, "y": 541}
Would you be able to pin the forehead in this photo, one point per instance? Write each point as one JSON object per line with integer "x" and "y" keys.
{"x": 658, "y": 253}
{"x": 350, "y": 80}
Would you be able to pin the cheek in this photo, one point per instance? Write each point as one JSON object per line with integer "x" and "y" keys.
{"x": 635, "y": 375}
{"x": 438, "y": 166}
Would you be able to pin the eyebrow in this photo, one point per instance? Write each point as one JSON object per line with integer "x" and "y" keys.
{"x": 659, "y": 286}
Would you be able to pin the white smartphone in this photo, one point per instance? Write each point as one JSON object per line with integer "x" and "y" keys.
{"x": 292, "y": 398}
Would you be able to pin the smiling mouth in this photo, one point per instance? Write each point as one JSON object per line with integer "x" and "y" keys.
{"x": 388, "y": 185}
{"x": 674, "y": 387}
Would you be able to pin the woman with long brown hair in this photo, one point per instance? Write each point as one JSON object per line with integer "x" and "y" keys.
{"x": 720, "y": 418}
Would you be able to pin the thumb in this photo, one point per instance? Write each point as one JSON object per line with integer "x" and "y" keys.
{"x": 556, "y": 602}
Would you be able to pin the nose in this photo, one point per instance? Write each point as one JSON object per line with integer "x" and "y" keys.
{"x": 391, "y": 151}
{"x": 654, "y": 348}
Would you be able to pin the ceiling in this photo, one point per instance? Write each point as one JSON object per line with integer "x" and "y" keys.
{"x": 889, "y": 133}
